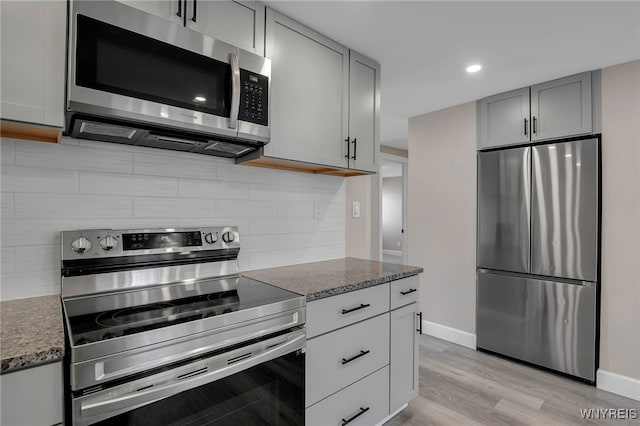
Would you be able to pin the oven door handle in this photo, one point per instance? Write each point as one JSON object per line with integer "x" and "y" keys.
{"x": 108, "y": 406}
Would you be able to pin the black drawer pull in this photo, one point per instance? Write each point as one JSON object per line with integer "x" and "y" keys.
{"x": 353, "y": 358}
{"x": 362, "y": 306}
{"x": 355, "y": 416}
{"x": 411, "y": 290}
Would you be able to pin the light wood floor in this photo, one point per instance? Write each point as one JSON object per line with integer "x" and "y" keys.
{"x": 460, "y": 386}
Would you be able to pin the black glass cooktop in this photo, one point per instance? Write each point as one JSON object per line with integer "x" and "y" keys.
{"x": 111, "y": 316}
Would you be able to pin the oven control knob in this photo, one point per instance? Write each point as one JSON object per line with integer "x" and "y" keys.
{"x": 228, "y": 237}
{"x": 80, "y": 245}
{"x": 108, "y": 243}
{"x": 211, "y": 237}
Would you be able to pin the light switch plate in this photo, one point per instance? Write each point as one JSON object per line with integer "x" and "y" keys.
{"x": 317, "y": 210}
{"x": 355, "y": 211}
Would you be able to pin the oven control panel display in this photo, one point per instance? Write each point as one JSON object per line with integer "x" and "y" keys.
{"x": 159, "y": 240}
{"x": 254, "y": 98}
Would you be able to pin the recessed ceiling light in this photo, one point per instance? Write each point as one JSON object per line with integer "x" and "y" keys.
{"x": 474, "y": 68}
{"x": 199, "y": 99}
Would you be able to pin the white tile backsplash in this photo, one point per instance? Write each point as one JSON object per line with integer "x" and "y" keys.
{"x": 104, "y": 183}
{"x": 38, "y": 206}
{"x": 7, "y": 205}
{"x": 7, "y": 151}
{"x": 47, "y": 188}
{"x": 31, "y": 179}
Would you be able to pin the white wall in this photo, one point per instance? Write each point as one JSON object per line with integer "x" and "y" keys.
{"x": 47, "y": 188}
{"x": 442, "y": 214}
{"x": 620, "y": 304}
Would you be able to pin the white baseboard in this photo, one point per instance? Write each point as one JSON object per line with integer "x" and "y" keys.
{"x": 449, "y": 334}
{"x": 618, "y": 384}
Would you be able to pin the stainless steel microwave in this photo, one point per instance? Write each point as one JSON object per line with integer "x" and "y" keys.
{"x": 138, "y": 79}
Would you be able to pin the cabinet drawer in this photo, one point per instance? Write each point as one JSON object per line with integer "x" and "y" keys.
{"x": 341, "y": 310}
{"x": 404, "y": 291}
{"x": 337, "y": 359}
{"x": 369, "y": 396}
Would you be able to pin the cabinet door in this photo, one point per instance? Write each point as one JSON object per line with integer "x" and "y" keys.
{"x": 33, "y": 52}
{"x": 561, "y": 107}
{"x": 32, "y": 396}
{"x": 240, "y": 23}
{"x": 309, "y": 94}
{"x": 364, "y": 112}
{"x": 504, "y": 119}
{"x": 404, "y": 359}
{"x": 173, "y": 10}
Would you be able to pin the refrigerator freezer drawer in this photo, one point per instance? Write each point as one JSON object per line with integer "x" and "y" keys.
{"x": 547, "y": 323}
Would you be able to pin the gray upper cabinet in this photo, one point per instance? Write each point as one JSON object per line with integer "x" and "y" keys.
{"x": 172, "y": 10}
{"x": 504, "y": 119}
{"x": 364, "y": 109}
{"x": 240, "y": 23}
{"x": 32, "y": 55}
{"x": 555, "y": 109}
{"x": 309, "y": 94}
{"x": 561, "y": 107}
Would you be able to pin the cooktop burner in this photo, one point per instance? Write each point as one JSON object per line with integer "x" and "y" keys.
{"x": 111, "y": 316}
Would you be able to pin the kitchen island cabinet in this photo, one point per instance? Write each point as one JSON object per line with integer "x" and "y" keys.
{"x": 362, "y": 328}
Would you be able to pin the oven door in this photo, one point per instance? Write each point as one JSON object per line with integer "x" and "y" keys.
{"x": 127, "y": 64}
{"x": 258, "y": 384}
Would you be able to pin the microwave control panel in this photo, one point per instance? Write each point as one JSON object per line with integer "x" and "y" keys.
{"x": 254, "y": 98}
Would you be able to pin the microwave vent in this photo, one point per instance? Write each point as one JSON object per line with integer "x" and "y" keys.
{"x": 228, "y": 148}
{"x": 110, "y": 130}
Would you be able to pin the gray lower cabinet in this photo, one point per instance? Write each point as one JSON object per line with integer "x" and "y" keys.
{"x": 365, "y": 403}
{"x": 564, "y": 107}
{"x": 240, "y": 23}
{"x": 362, "y": 354}
{"x": 32, "y": 397}
{"x": 404, "y": 356}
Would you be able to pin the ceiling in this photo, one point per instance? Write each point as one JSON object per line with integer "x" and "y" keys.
{"x": 424, "y": 47}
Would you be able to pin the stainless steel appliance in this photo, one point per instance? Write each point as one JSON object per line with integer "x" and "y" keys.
{"x": 538, "y": 254}
{"x": 162, "y": 329}
{"x": 138, "y": 79}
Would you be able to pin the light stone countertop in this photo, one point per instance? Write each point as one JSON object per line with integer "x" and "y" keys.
{"x": 31, "y": 332}
{"x": 318, "y": 280}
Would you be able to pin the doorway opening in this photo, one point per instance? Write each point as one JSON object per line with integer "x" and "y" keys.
{"x": 393, "y": 176}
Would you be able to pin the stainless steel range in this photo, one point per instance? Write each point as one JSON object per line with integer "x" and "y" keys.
{"x": 162, "y": 329}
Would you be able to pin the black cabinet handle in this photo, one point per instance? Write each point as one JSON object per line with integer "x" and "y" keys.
{"x": 195, "y": 5}
{"x": 353, "y": 358}
{"x": 362, "y": 306}
{"x": 419, "y": 330}
{"x": 525, "y": 127}
{"x": 179, "y": 9}
{"x": 348, "y": 148}
{"x": 355, "y": 146}
{"x": 535, "y": 120}
{"x": 411, "y": 290}
{"x": 355, "y": 416}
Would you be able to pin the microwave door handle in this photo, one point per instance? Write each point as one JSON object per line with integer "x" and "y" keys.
{"x": 235, "y": 91}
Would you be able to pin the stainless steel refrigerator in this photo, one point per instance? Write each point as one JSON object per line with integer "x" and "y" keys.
{"x": 538, "y": 255}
